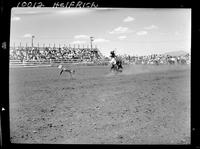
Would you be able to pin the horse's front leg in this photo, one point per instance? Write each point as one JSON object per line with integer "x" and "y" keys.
{"x": 61, "y": 71}
{"x": 112, "y": 68}
{"x": 71, "y": 75}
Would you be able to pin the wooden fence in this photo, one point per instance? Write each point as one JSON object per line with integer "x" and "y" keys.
{"x": 55, "y": 62}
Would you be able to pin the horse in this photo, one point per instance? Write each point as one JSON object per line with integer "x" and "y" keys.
{"x": 63, "y": 69}
{"x": 116, "y": 65}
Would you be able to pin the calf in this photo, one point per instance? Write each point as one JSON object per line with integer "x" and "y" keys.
{"x": 63, "y": 69}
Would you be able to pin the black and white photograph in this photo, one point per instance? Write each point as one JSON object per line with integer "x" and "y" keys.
{"x": 100, "y": 76}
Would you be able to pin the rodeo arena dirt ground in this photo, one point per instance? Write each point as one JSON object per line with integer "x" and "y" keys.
{"x": 145, "y": 104}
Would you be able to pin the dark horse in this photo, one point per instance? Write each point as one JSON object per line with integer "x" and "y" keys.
{"x": 117, "y": 67}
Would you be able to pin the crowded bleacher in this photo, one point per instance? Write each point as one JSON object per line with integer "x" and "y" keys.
{"x": 158, "y": 59}
{"x": 49, "y": 54}
{"x": 54, "y": 53}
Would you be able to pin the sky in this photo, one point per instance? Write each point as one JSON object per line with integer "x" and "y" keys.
{"x": 132, "y": 31}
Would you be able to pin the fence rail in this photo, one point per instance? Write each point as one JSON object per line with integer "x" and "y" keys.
{"x": 54, "y": 62}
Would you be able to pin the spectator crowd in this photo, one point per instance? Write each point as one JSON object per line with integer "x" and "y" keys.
{"x": 158, "y": 59}
{"x": 54, "y": 53}
{"x": 88, "y": 55}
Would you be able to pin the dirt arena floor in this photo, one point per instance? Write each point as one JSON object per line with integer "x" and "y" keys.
{"x": 143, "y": 105}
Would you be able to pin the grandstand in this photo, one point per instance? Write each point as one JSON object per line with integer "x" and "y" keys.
{"x": 51, "y": 55}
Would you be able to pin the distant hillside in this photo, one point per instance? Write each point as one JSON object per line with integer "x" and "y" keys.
{"x": 176, "y": 53}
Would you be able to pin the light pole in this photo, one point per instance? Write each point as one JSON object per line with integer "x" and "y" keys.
{"x": 32, "y": 40}
{"x": 91, "y": 40}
